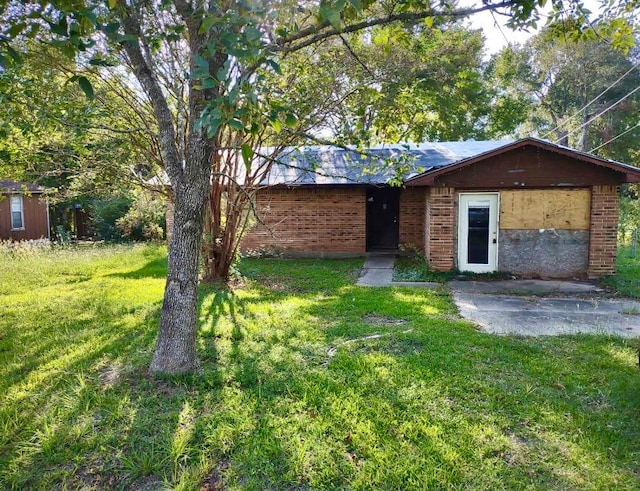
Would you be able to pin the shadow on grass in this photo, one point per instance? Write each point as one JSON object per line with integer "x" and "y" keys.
{"x": 156, "y": 268}
{"x": 520, "y": 411}
{"x": 294, "y": 394}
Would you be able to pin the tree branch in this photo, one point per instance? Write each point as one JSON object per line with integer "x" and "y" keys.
{"x": 314, "y": 34}
{"x": 151, "y": 86}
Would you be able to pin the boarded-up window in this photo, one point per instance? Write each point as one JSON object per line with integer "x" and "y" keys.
{"x": 17, "y": 214}
{"x": 562, "y": 209}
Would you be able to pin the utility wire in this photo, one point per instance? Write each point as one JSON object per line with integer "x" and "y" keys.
{"x": 599, "y": 114}
{"x": 579, "y": 111}
{"x": 615, "y": 137}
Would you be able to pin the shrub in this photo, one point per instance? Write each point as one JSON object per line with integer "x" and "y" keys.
{"x": 145, "y": 219}
{"x": 105, "y": 214}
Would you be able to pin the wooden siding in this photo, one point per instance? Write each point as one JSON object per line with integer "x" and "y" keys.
{"x": 529, "y": 167}
{"x": 35, "y": 219}
{"x": 545, "y": 209}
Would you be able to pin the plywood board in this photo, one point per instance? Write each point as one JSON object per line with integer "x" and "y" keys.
{"x": 564, "y": 209}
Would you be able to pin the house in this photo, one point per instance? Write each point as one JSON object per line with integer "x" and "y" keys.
{"x": 24, "y": 211}
{"x": 527, "y": 207}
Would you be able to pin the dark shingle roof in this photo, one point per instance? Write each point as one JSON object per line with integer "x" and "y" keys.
{"x": 7, "y": 186}
{"x": 332, "y": 165}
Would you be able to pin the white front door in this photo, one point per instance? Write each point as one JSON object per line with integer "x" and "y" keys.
{"x": 478, "y": 232}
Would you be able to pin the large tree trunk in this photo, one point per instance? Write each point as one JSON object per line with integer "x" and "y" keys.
{"x": 175, "y": 350}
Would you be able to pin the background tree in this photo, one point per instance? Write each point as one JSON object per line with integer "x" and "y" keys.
{"x": 581, "y": 93}
{"x": 50, "y": 134}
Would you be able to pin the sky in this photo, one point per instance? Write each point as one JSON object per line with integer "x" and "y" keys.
{"x": 496, "y": 32}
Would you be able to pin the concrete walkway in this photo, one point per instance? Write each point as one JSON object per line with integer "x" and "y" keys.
{"x": 523, "y": 307}
{"x": 378, "y": 271}
{"x": 579, "y": 309}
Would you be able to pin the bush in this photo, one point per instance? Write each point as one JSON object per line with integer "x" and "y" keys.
{"x": 145, "y": 219}
{"x": 105, "y": 214}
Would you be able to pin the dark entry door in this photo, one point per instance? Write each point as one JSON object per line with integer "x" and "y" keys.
{"x": 383, "y": 205}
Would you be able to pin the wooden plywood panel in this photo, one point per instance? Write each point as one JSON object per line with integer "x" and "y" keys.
{"x": 568, "y": 209}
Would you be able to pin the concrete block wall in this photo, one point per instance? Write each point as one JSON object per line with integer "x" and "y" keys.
{"x": 605, "y": 202}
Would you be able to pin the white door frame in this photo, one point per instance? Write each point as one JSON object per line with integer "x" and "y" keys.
{"x": 492, "y": 201}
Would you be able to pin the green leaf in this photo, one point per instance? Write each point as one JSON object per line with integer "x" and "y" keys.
{"x": 207, "y": 23}
{"x": 291, "y": 120}
{"x": 247, "y": 155}
{"x": 276, "y": 125}
{"x": 330, "y": 14}
{"x": 100, "y": 62}
{"x": 236, "y": 125}
{"x": 61, "y": 28}
{"x": 86, "y": 87}
{"x": 16, "y": 29}
{"x": 356, "y": 4}
{"x": 13, "y": 54}
{"x": 428, "y": 21}
{"x": 275, "y": 66}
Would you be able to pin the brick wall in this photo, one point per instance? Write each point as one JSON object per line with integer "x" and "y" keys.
{"x": 604, "y": 230}
{"x": 309, "y": 220}
{"x": 440, "y": 236}
{"x": 412, "y": 217}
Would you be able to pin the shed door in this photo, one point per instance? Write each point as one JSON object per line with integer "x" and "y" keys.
{"x": 478, "y": 232}
{"x": 383, "y": 205}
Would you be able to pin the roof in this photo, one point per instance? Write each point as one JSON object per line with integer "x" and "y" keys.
{"x": 7, "y": 186}
{"x": 632, "y": 174}
{"x": 326, "y": 165}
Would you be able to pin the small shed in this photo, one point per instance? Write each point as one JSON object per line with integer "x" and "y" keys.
{"x": 24, "y": 211}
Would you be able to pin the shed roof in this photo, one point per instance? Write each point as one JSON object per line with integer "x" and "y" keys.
{"x": 7, "y": 186}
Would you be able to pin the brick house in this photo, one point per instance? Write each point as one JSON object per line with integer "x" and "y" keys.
{"x": 24, "y": 212}
{"x": 527, "y": 207}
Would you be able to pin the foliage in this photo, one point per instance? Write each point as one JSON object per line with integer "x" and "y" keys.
{"x": 51, "y": 134}
{"x": 105, "y": 214}
{"x": 415, "y": 268}
{"x": 629, "y": 211}
{"x": 145, "y": 219}
{"x": 397, "y": 83}
{"x": 626, "y": 281}
{"x": 579, "y": 93}
{"x": 293, "y": 394}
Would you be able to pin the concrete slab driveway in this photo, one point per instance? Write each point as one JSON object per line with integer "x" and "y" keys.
{"x": 573, "y": 308}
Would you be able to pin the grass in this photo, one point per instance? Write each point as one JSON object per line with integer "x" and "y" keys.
{"x": 308, "y": 382}
{"x": 627, "y": 280}
{"x": 415, "y": 268}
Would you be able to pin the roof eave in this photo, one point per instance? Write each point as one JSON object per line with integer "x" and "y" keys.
{"x": 632, "y": 174}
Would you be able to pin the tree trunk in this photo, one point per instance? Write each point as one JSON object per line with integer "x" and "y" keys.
{"x": 175, "y": 351}
{"x": 584, "y": 144}
{"x": 218, "y": 249}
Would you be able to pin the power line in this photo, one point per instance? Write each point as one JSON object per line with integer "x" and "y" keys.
{"x": 615, "y": 137}
{"x": 579, "y": 111}
{"x": 599, "y": 114}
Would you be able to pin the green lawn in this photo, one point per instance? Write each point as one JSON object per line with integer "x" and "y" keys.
{"x": 295, "y": 394}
